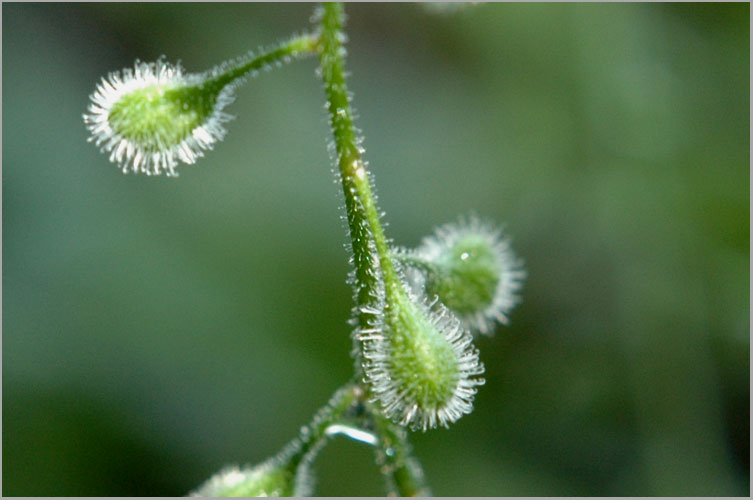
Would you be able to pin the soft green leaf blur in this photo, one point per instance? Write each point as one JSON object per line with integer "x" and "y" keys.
{"x": 156, "y": 330}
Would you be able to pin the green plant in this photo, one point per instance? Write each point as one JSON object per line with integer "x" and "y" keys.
{"x": 415, "y": 311}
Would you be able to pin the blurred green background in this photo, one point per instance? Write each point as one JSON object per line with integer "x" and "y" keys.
{"x": 155, "y": 330}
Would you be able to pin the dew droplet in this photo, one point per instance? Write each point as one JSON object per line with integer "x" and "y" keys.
{"x": 351, "y": 432}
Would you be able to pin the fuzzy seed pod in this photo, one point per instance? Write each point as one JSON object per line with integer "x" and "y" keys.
{"x": 273, "y": 478}
{"x": 419, "y": 363}
{"x": 470, "y": 267}
{"x": 152, "y": 115}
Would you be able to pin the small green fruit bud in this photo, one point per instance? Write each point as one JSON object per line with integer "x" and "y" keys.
{"x": 153, "y": 115}
{"x": 272, "y": 478}
{"x": 419, "y": 363}
{"x": 471, "y": 268}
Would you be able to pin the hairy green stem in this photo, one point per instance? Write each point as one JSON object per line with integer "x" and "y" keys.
{"x": 416, "y": 261}
{"x": 363, "y": 215}
{"x": 371, "y": 255}
{"x": 295, "y": 47}
{"x": 363, "y": 220}
{"x": 404, "y": 474}
{"x": 314, "y": 435}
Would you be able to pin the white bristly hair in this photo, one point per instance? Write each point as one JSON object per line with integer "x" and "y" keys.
{"x": 134, "y": 156}
{"x": 395, "y": 394}
{"x": 511, "y": 275}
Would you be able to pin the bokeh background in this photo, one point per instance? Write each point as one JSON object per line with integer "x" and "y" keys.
{"x": 155, "y": 330}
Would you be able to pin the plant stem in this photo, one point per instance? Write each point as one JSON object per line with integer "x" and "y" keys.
{"x": 404, "y": 474}
{"x": 361, "y": 211}
{"x": 417, "y": 262}
{"x": 371, "y": 255}
{"x": 363, "y": 215}
{"x": 295, "y": 47}
{"x": 313, "y": 436}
